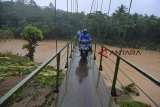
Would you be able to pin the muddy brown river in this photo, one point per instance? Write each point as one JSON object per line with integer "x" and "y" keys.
{"x": 147, "y": 60}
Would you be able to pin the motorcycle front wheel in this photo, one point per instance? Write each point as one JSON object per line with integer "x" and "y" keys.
{"x": 84, "y": 54}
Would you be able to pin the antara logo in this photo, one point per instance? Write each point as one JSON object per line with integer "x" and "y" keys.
{"x": 103, "y": 52}
{"x": 123, "y": 52}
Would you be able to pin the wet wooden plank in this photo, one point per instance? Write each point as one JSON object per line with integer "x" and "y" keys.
{"x": 83, "y": 86}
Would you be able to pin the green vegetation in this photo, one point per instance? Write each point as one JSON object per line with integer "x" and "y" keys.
{"x": 127, "y": 30}
{"x": 125, "y": 103}
{"x": 32, "y": 35}
{"x": 13, "y": 65}
{"x": 16, "y": 15}
{"x": 131, "y": 88}
{"x": 121, "y": 29}
{"x": 5, "y": 34}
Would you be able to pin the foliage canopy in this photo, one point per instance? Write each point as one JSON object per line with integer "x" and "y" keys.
{"x": 31, "y": 32}
{"x": 32, "y": 35}
{"x": 5, "y": 34}
{"x": 120, "y": 28}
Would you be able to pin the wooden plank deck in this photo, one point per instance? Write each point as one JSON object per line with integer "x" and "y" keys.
{"x": 83, "y": 86}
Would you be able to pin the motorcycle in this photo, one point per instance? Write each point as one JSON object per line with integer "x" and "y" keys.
{"x": 84, "y": 49}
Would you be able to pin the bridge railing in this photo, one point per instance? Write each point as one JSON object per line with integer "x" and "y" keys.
{"x": 8, "y": 98}
{"x": 117, "y": 68}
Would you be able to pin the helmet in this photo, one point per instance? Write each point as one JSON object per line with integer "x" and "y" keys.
{"x": 85, "y": 31}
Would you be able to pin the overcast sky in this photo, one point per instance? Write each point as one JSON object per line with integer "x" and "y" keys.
{"x": 148, "y": 7}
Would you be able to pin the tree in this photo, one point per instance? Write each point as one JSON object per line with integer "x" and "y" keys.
{"x": 96, "y": 25}
{"x": 121, "y": 24}
{"x": 51, "y": 5}
{"x": 21, "y": 1}
{"x": 5, "y": 34}
{"x": 33, "y": 3}
{"x": 133, "y": 30}
{"x": 32, "y": 35}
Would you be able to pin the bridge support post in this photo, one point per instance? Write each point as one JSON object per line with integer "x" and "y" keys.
{"x": 95, "y": 51}
{"x": 113, "y": 90}
{"x": 72, "y": 46}
{"x": 71, "y": 51}
{"x": 66, "y": 66}
{"x": 58, "y": 70}
{"x": 100, "y": 64}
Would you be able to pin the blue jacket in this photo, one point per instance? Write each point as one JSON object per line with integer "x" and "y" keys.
{"x": 78, "y": 34}
{"x": 86, "y": 38}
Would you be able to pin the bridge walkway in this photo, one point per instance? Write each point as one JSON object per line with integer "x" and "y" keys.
{"x": 83, "y": 85}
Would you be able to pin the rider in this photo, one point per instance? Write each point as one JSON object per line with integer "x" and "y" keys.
{"x": 78, "y": 34}
{"x": 85, "y": 36}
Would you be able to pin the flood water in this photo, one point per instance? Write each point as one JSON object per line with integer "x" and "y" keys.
{"x": 147, "y": 60}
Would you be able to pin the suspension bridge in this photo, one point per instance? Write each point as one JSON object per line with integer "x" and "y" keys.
{"x": 83, "y": 85}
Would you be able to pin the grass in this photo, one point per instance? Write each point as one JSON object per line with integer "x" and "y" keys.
{"x": 14, "y": 65}
{"x": 126, "y": 103}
